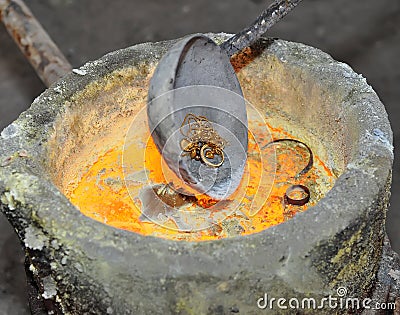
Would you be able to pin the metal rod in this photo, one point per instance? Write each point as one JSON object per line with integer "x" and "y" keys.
{"x": 37, "y": 46}
{"x": 276, "y": 11}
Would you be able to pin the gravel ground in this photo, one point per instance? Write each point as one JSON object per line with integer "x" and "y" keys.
{"x": 362, "y": 33}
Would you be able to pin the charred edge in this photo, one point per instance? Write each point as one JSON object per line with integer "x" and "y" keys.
{"x": 244, "y": 57}
{"x": 37, "y": 303}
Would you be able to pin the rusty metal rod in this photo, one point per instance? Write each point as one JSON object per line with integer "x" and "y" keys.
{"x": 268, "y": 18}
{"x": 37, "y": 46}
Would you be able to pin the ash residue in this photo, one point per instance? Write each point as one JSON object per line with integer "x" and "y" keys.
{"x": 50, "y": 287}
{"x": 34, "y": 239}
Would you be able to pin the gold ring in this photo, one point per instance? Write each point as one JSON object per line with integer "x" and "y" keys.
{"x": 217, "y": 151}
{"x": 297, "y": 201}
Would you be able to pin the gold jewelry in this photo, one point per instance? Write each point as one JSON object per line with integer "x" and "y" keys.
{"x": 210, "y": 153}
{"x": 201, "y": 141}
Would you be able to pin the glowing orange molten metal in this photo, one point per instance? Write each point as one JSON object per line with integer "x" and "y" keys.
{"x": 109, "y": 193}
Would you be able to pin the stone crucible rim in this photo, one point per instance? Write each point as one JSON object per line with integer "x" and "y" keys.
{"x": 30, "y": 196}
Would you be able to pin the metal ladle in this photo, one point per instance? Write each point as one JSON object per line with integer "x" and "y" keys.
{"x": 195, "y": 78}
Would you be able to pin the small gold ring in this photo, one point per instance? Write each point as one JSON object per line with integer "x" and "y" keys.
{"x": 297, "y": 201}
{"x": 206, "y": 161}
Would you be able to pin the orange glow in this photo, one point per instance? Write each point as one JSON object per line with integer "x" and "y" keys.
{"x": 107, "y": 194}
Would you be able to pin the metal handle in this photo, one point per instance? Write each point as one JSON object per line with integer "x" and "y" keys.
{"x": 272, "y": 14}
{"x": 48, "y": 61}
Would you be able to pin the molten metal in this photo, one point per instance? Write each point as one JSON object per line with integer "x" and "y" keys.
{"x": 134, "y": 204}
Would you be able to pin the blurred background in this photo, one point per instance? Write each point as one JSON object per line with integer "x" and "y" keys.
{"x": 363, "y": 33}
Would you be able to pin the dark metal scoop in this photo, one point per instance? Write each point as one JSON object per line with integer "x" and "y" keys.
{"x": 196, "y": 111}
{"x": 194, "y": 90}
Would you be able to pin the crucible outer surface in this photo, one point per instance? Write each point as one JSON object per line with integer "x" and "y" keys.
{"x": 83, "y": 266}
